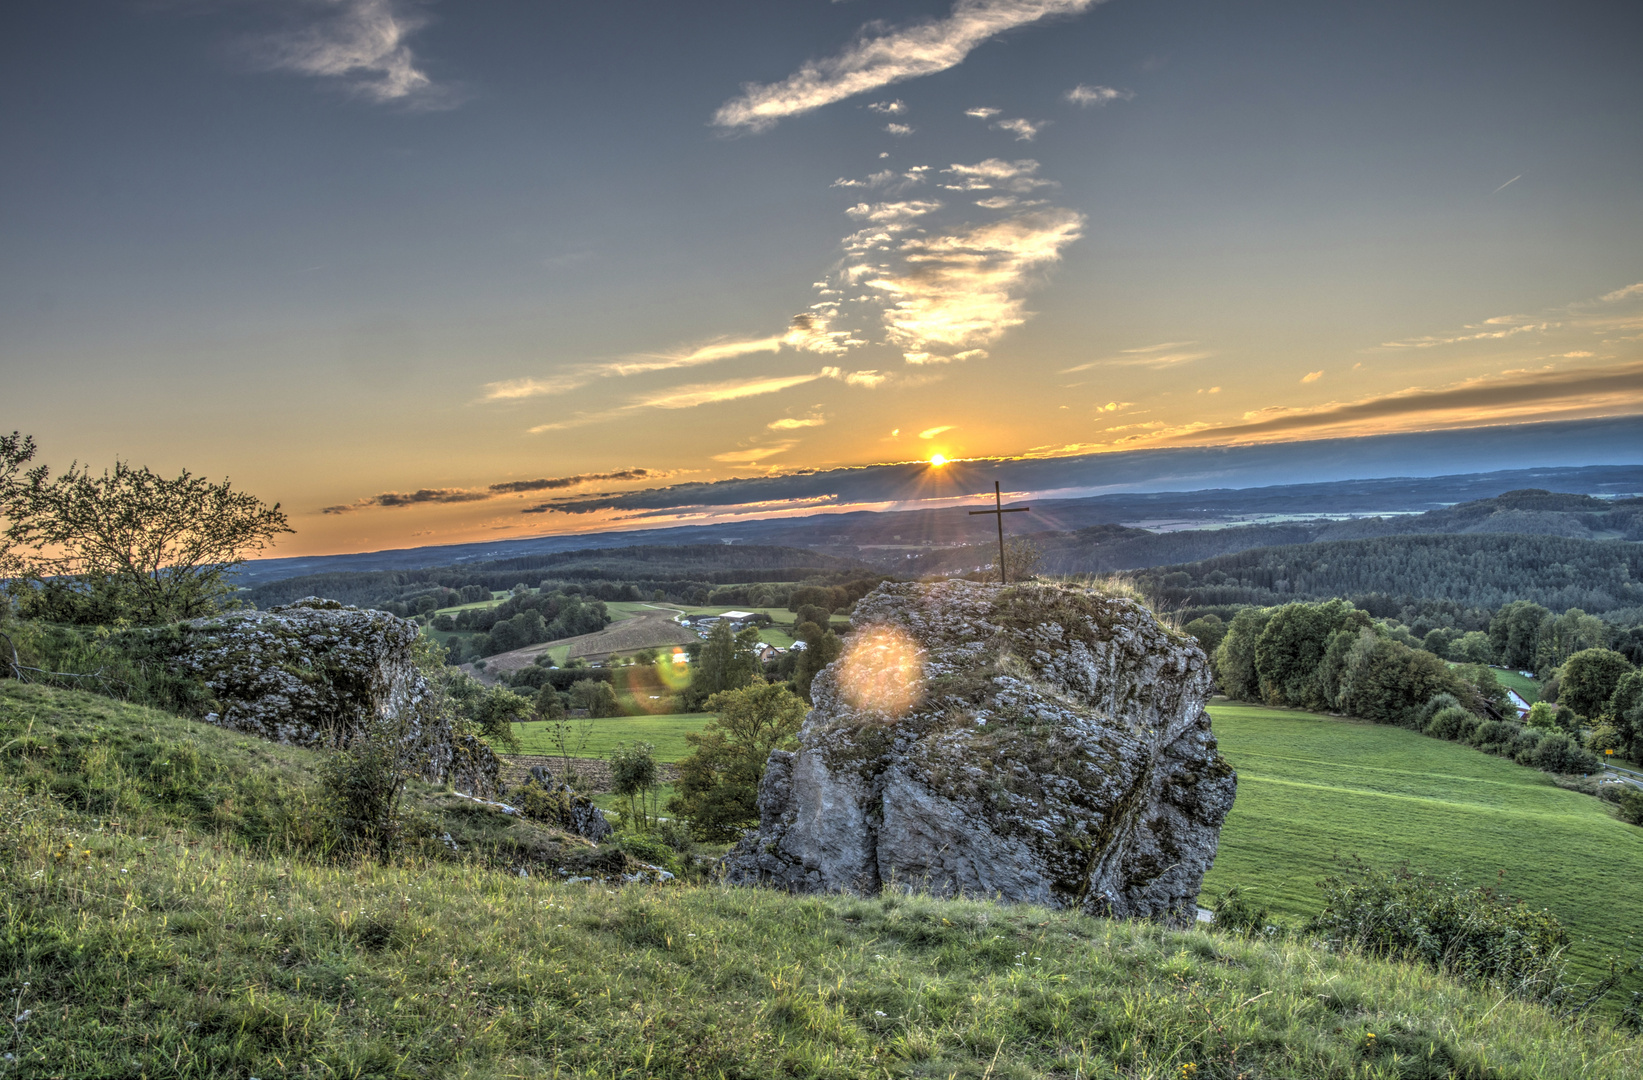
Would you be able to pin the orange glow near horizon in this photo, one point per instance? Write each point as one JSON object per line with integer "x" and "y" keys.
{"x": 938, "y": 460}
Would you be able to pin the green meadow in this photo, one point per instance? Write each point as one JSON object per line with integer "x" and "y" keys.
{"x": 665, "y": 732}
{"x": 1313, "y": 788}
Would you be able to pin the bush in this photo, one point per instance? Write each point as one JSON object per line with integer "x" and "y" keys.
{"x": 1453, "y": 723}
{"x": 1629, "y": 805}
{"x": 1477, "y": 935}
{"x": 1234, "y": 914}
{"x": 364, "y": 793}
{"x": 1495, "y": 736}
{"x": 1558, "y": 753}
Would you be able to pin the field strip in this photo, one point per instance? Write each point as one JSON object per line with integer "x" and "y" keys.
{"x": 1338, "y": 766}
{"x": 1493, "y": 810}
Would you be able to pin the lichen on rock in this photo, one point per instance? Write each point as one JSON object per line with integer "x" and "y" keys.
{"x": 1058, "y": 753}
{"x": 317, "y": 673}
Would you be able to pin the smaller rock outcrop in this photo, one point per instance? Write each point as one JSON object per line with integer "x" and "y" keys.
{"x": 317, "y": 673}
{"x": 546, "y": 799}
{"x": 1035, "y": 743}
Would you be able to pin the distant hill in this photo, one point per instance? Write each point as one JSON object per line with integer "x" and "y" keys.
{"x": 646, "y": 566}
{"x": 1109, "y": 548}
{"x": 1471, "y": 569}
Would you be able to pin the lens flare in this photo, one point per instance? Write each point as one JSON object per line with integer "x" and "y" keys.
{"x": 881, "y": 670}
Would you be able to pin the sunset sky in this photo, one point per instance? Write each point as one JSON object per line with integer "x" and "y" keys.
{"x": 436, "y": 272}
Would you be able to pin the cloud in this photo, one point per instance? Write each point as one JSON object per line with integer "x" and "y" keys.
{"x": 755, "y": 454}
{"x": 1312, "y": 376}
{"x": 869, "y": 378}
{"x": 507, "y": 487}
{"x": 957, "y": 291}
{"x": 1520, "y": 396}
{"x": 514, "y": 389}
{"x": 889, "y": 108}
{"x": 930, "y": 433}
{"x": 712, "y": 352}
{"x": 1163, "y": 355}
{"x": 361, "y": 43}
{"x": 1086, "y": 96}
{"x": 983, "y": 112}
{"x": 690, "y": 397}
{"x": 1627, "y": 293}
{"x": 899, "y": 129}
{"x": 1023, "y": 130}
{"x": 793, "y": 423}
{"x": 553, "y": 483}
{"x": 996, "y": 173}
{"x": 893, "y": 213}
{"x": 880, "y": 57}
{"x": 1479, "y": 333}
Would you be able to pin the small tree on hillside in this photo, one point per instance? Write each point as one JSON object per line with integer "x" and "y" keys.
{"x": 163, "y": 545}
{"x": 719, "y": 782}
{"x": 634, "y": 777}
{"x": 1590, "y": 678}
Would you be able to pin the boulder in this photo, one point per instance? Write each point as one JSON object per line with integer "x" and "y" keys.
{"x": 1035, "y": 743}
{"x": 320, "y": 674}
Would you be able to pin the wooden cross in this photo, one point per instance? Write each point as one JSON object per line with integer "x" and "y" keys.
{"x": 999, "y": 510}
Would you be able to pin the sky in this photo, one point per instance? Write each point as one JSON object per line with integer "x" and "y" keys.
{"x": 435, "y": 272}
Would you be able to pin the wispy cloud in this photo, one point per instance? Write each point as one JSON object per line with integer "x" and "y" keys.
{"x": 361, "y": 43}
{"x": 1515, "y": 396}
{"x": 753, "y": 455}
{"x": 1023, "y": 130}
{"x": 1495, "y": 329}
{"x": 889, "y": 108}
{"x": 689, "y": 397}
{"x": 996, "y": 174}
{"x": 930, "y": 433}
{"x": 879, "y": 57}
{"x": 956, "y": 292}
{"x": 1163, "y": 355}
{"x": 1628, "y": 293}
{"x": 794, "y": 423}
{"x": 898, "y": 129}
{"x": 983, "y": 112}
{"x": 1508, "y": 184}
{"x": 1087, "y": 96}
{"x": 423, "y": 496}
{"x": 1312, "y": 376}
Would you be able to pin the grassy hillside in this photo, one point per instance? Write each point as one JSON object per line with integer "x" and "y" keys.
{"x": 1313, "y": 787}
{"x": 666, "y": 733}
{"x": 166, "y": 942}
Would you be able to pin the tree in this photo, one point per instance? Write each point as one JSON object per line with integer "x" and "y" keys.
{"x": 1022, "y": 557}
{"x": 634, "y": 777}
{"x": 16, "y": 451}
{"x": 1235, "y": 658}
{"x": 821, "y": 647}
{"x": 1514, "y": 631}
{"x": 719, "y": 781}
{"x": 1209, "y": 630}
{"x": 163, "y": 546}
{"x": 725, "y": 661}
{"x": 1291, "y": 648}
{"x": 1590, "y": 678}
{"x": 597, "y": 697}
{"x": 1474, "y": 647}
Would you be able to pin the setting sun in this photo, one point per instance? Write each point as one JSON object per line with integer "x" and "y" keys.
{"x": 937, "y": 459}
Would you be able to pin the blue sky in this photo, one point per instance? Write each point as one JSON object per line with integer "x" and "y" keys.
{"x": 343, "y": 249}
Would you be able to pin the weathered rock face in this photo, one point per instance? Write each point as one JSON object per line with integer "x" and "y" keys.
{"x": 1057, "y": 753}
{"x": 316, "y": 673}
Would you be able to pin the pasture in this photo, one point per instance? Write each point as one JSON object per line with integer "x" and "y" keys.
{"x": 1312, "y": 788}
{"x": 666, "y": 733}
{"x": 1527, "y": 688}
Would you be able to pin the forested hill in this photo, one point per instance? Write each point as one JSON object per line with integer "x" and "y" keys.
{"x": 1103, "y": 549}
{"x": 1473, "y": 569}
{"x": 646, "y": 567}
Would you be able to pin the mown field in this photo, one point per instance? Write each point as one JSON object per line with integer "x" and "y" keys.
{"x": 1311, "y": 788}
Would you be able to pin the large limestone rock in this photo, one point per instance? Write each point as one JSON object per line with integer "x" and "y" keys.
{"x": 1056, "y": 752}
{"x": 316, "y": 673}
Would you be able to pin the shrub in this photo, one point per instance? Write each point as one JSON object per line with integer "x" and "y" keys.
{"x": 1495, "y": 736}
{"x": 1235, "y": 914}
{"x": 1453, "y": 723}
{"x": 364, "y": 792}
{"x": 1629, "y": 804}
{"x": 1558, "y": 753}
{"x": 1475, "y": 934}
